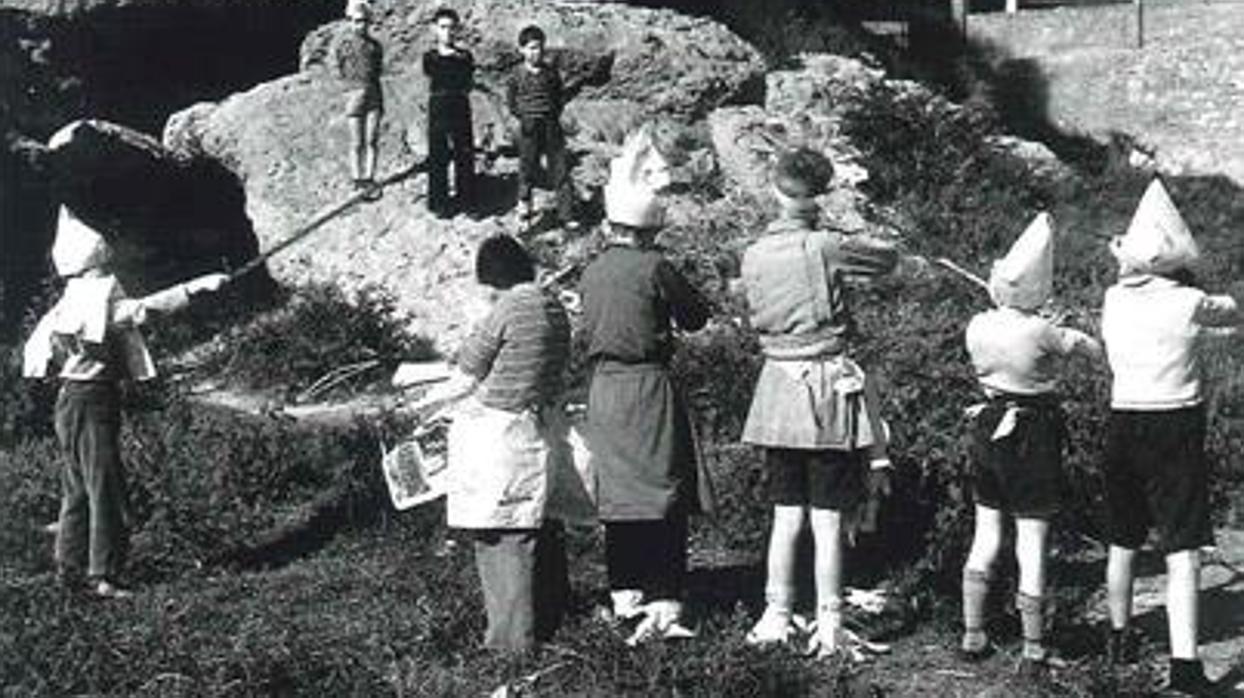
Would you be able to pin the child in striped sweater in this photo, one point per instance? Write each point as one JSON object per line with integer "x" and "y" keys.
{"x": 535, "y": 96}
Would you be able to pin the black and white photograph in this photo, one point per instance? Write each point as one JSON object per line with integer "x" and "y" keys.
{"x": 641, "y": 348}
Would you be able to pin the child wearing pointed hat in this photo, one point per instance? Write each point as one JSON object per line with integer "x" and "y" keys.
{"x": 638, "y": 428}
{"x": 1156, "y": 471}
{"x": 813, "y": 411}
{"x": 92, "y": 332}
{"x": 1018, "y": 435}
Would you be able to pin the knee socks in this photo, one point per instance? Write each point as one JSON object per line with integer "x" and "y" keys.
{"x": 975, "y": 589}
{"x": 1032, "y": 620}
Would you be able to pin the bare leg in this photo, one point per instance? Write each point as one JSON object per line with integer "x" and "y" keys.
{"x": 775, "y": 624}
{"x": 1119, "y": 585}
{"x": 986, "y": 541}
{"x": 371, "y": 141}
{"x": 827, "y": 536}
{"x": 1030, "y": 551}
{"x": 357, "y": 147}
{"x": 788, "y": 523}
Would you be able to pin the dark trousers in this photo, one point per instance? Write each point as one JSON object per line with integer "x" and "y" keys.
{"x": 92, "y": 533}
{"x": 543, "y": 137}
{"x": 450, "y": 140}
{"x": 650, "y": 556}
{"x": 525, "y": 582}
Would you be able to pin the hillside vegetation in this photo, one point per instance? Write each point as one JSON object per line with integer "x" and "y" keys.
{"x": 269, "y": 562}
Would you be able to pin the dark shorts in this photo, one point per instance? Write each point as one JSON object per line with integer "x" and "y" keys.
{"x": 823, "y": 479}
{"x": 1156, "y": 476}
{"x": 1021, "y": 472}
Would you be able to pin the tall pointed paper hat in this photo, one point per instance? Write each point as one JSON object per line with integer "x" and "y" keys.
{"x": 1157, "y": 239}
{"x": 635, "y": 177}
{"x": 1024, "y": 278}
{"x": 78, "y": 247}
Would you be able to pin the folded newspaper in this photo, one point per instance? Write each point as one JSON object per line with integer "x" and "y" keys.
{"x": 412, "y": 477}
{"x": 412, "y": 373}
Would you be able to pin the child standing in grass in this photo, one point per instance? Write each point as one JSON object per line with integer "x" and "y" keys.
{"x": 534, "y": 95}
{"x": 810, "y": 411}
{"x": 638, "y": 428}
{"x": 358, "y": 59}
{"x": 1017, "y": 436}
{"x": 451, "y": 75}
{"x": 92, "y": 331}
{"x": 513, "y": 366}
{"x": 1156, "y": 474}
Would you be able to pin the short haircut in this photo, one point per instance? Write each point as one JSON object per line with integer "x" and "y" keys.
{"x": 530, "y": 33}
{"x": 802, "y": 173}
{"x": 443, "y": 12}
{"x": 503, "y": 262}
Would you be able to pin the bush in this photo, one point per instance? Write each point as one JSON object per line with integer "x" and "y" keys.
{"x": 317, "y": 331}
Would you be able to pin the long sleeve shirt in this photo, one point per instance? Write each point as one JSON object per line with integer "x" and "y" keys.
{"x": 93, "y": 331}
{"x": 795, "y": 277}
{"x": 358, "y": 59}
{"x": 1150, "y": 325}
{"x": 535, "y": 94}
{"x": 450, "y": 76}
{"x": 632, "y": 299}
{"x": 1016, "y": 352}
{"x": 519, "y": 352}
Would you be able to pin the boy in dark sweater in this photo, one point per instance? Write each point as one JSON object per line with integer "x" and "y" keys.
{"x": 535, "y": 97}
{"x": 451, "y": 72}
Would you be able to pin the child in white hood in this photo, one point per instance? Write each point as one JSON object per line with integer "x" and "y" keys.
{"x": 1156, "y": 474}
{"x": 1018, "y": 435}
{"x": 92, "y": 332}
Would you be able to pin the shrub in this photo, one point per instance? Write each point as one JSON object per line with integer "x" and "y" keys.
{"x": 317, "y": 331}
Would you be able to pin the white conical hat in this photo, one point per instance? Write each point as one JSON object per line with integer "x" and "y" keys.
{"x": 1157, "y": 239}
{"x": 635, "y": 177}
{"x": 78, "y": 247}
{"x": 1024, "y": 278}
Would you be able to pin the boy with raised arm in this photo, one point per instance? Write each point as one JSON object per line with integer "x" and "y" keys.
{"x": 1018, "y": 435}
{"x": 1156, "y": 471}
{"x": 92, "y": 332}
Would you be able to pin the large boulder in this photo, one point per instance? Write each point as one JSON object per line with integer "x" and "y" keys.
{"x": 167, "y": 215}
{"x": 287, "y": 140}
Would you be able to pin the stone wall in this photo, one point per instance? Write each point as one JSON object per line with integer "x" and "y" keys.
{"x": 1181, "y": 94}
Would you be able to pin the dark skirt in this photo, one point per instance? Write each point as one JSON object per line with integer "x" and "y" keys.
{"x": 643, "y": 445}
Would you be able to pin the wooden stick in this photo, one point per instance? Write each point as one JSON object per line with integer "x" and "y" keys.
{"x": 320, "y": 219}
{"x": 942, "y": 261}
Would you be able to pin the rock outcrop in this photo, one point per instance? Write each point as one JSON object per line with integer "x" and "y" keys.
{"x": 287, "y": 140}
{"x": 166, "y": 216}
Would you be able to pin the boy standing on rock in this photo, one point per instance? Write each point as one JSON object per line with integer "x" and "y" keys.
{"x": 93, "y": 332}
{"x": 1156, "y": 474}
{"x": 535, "y": 97}
{"x": 451, "y": 75}
{"x": 1018, "y": 435}
{"x": 358, "y": 59}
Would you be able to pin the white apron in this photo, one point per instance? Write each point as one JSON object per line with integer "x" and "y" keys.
{"x": 511, "y": 470}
